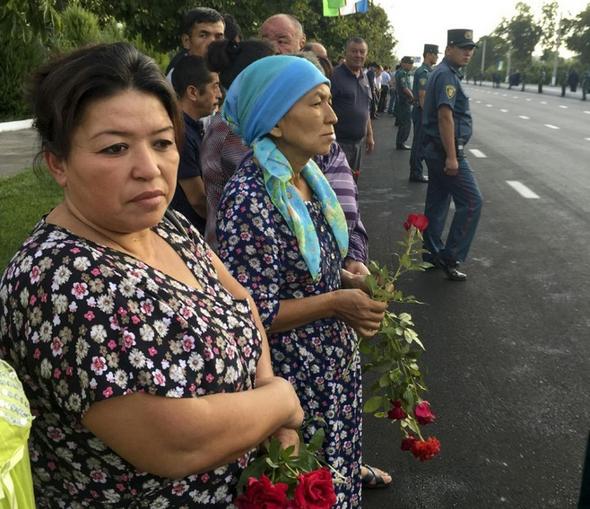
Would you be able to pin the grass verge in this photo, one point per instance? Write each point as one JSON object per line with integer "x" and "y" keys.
{"x": 24, "y": 198}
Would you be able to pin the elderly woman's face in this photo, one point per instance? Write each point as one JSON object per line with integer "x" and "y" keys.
{"x": 121, "y": 170}
{"x": 308, "y": 127}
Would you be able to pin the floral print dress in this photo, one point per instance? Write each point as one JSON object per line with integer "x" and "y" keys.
{"x": 319, "y": 358}
{"x": 83, "y": 323}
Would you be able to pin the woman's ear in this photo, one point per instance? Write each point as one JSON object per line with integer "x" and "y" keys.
{"x": 276, "y": 132}
{"x": 57, "y": 167}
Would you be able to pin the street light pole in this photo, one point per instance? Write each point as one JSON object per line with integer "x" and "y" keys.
{"x": 483, "y": 55}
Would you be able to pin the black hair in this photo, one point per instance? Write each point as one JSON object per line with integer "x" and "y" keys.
{"x": 61, "y": 90}
{"x": 355, "y": 40}
{"x": 199, "y": 15}
{"x": 232, "y": 29}
{"x": 191, "y": 70}
{"x": 229, "y": 58}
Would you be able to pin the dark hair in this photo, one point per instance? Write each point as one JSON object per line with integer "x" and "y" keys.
{"x": 61, "y": 90}
{"x": 190, "y": 70}
{"x": 229, "y": 58}
{"x": 199, "y": 15}
{"x": 232, "y": 29}
{"x": 355, "y": 40}
{"x": 327, "y": 66}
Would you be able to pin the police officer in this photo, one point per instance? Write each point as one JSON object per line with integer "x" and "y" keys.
{"x": 403, "y": 107}
{"x": 419, "y": 90}
{"x": 447, "y": 128}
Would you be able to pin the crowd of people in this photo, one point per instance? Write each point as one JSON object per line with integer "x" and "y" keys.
{"x": 201, "y": 286}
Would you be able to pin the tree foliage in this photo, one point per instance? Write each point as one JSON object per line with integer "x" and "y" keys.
{"x": 578, "y": 38}
{"x": 522, "y": 34}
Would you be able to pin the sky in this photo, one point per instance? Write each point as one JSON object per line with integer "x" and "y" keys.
{"x": 420, "y": 22}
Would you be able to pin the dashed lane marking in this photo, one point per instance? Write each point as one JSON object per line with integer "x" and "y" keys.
{"x": 514, "y": 97}
{"x": 543, "y": 102}
{"x": 563, "y": 106}
{"x": 528, "y": 99}
{"x": 587, "y": 139}
{"x": 504, "y": 111}
{"x": 524, "y": 117}
{"x": 477, "y": 153}
{"x": 478, "y": 102}
{"x": 504, "y": 95}
{"x": 550, "y": 126}
{"x": 489, "y": 106}
{"x": 587, "y": 112}
{"x": 523, "y": 190}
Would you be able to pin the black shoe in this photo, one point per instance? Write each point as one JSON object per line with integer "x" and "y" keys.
{"x": 423, "y": 179}
{"x": 403, "y": 147}
{"x": 451, "y": 270}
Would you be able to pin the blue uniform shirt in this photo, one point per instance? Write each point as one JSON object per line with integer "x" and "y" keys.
{"x": 402, "y": 80}
{"x": 420, "y": 81}
{"x": 444, "y": 88}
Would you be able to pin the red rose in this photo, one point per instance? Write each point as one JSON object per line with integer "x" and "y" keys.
{"x": 263, "y": 494}
{"x": 315, "y": 490}
{"x": 419, "y": 221}
{"x": 423, "y": 413}
{"x": 426, "y": 449}
{"x": 396, "y": 413}
{"x": 408, "y": 442}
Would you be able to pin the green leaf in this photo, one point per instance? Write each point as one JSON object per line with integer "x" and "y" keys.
{"x": 317, "y": 440}
{"x": 274, "y": 449}
{"x": 373, "y": 404}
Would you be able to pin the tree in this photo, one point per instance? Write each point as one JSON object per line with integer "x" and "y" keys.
{"x": 550, "y": 36}
{"x": 495, "y": 51}
{"x": 578, "y": 39}
{"x": 522, "y": 34}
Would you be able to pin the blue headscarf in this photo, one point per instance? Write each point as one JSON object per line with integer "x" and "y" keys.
{"x": 257, "y": 100}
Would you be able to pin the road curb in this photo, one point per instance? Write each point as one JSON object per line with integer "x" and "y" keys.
{"x": 16, "y": 125}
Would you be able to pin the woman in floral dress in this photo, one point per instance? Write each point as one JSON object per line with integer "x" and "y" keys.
{"x": 283, "y": 235}
{"x": 145, "y": 362}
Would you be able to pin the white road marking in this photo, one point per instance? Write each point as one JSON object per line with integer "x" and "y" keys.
{"x": 528, "y": 99}
{"x": 587, "y": 112}
{"x": 587, "y": 139}
{"x": 495, "y": 93}
{"x": 543, "y": 102}
{"x": 478, "y": 102}
{"x": 563, "y": 106}
{"x": 504, "y": 111}
{"x": 514, "y": 97}
{"x": 477, "y": 153}
{"x": 489, "y": 105}
{"x": 523, "y": 190}
{"x": 524, "y": 117}
{"x": 550, "y": 126}
{"x": 504, "y": 95}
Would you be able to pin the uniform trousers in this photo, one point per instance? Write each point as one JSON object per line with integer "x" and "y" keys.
{"x": 404, "y": 117}
{"x": 465, "y": 193}
{"x": 416, "y": 169}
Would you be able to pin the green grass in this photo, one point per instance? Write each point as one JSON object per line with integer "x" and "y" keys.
{"x": 24, "y": 198}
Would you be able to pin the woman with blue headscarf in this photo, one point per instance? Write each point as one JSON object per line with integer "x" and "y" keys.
{"x": 283, "y": 235}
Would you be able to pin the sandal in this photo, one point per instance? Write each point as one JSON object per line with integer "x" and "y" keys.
{"x": 373, "y": 479}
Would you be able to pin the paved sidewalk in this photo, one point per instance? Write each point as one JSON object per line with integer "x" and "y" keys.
{"x": 532, "y": 88}
{"x": 17, "y": 150}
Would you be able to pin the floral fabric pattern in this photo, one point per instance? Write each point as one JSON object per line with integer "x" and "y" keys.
{"x": 260, "y": 250}
{"x": 83, "y": 323}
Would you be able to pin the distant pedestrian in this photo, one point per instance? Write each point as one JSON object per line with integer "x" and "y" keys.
{"x": 405, "y": 99}
{"x": 384, "y": 94}
{"x": 447, "y": 129}
{"x": 430, "y": 56}
{"x": 542, "y": 75}
{"x": 351, "y": 100}
{"x": 392, "y": 92}
{"x": 573, "y": 79}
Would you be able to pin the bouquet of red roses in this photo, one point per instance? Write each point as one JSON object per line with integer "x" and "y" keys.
{"x": 279, "y": 479}
{"x": 393, "y": 354}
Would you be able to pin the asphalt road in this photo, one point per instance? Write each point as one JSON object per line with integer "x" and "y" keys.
{"x": 508, "y": 351}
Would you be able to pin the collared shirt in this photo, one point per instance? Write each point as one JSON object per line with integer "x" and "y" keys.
{"x": 420, "y": 80}
{"x": 402, "y": 80}
{"x": 189, "y": 166}
{"x": 351, "y": 101}
{"x": 444, "y": 89}
{"x": 385, "y": 78}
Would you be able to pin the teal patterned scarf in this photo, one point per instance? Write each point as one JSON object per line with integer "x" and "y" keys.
{"x": 257, "y": 100}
